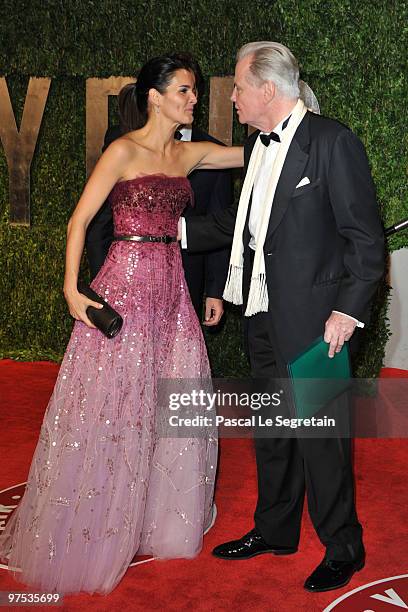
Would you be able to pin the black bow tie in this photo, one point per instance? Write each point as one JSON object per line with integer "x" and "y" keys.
{"x": 178, "y": 135}
{"x": 266, "y": 138}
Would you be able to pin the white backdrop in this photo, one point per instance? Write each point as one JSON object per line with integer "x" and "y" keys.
{"x": 396, "y": 352}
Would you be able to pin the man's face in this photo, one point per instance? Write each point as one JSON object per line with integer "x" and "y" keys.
{"x": 249, "y": 99}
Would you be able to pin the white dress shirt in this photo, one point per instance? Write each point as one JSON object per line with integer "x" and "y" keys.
{"x": 186, "y": 133}
{"x": 261, "y": 183}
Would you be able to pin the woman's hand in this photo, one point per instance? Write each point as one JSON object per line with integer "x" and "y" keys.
{"x": 77, "y": 304}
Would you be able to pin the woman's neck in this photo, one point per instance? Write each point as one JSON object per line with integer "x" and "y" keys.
{"x": 157, "y": 135}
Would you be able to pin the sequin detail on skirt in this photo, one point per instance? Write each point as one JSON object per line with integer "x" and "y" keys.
{"x": 102, "y": 484}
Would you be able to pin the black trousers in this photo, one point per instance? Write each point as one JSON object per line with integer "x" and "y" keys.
{"x": 289, "y": 467}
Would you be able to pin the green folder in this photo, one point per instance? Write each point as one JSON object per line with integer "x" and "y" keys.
{"x": 316, "y": 379}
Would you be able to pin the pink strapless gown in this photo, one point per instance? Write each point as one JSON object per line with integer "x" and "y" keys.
{"x": 102, "y": 484}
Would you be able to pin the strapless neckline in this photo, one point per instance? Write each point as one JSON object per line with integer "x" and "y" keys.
{"x": 148, "y": 176}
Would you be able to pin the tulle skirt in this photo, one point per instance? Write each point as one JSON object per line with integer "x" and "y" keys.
{"x": 104, "y": 483}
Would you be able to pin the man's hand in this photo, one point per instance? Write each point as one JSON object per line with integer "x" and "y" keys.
{"x": 214, "y": 309}
{"x": 339, "y": 329}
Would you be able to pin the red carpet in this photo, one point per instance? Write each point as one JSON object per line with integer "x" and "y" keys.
{"x": 265, "y": 583}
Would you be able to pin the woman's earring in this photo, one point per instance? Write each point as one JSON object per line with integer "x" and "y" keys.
{"x": 157, "y": 110}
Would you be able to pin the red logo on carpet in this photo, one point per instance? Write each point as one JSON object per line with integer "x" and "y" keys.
{"x": 9, "y": 500}
{"x": 380, "y": 596}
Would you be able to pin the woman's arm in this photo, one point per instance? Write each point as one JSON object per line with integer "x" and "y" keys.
{"x": 107, "y": 172}
{"x": 210, "y": 156}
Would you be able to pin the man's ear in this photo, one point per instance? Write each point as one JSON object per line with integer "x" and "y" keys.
{"x": 269, "y": 91}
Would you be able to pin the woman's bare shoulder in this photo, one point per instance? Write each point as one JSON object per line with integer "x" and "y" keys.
{"x": 123, "y": 150}
{"x": 123, "y": 144}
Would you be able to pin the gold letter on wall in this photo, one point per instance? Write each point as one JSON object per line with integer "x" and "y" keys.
{"x": 97, "y": 100}
{"x": 19, "y": 146}
{"x": 220, "y": 119}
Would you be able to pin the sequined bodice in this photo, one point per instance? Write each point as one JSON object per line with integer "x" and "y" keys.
{"x": 150, "y": 204}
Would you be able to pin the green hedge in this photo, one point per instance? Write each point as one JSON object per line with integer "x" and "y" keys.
{"x": 351, "y": 53}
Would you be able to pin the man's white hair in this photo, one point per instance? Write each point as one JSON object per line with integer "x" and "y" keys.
{"x": 273, "y": 62}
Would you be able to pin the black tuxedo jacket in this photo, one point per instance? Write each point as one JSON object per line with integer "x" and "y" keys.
{"x": 212, "y": 193}
{"x": 324, "y": 248}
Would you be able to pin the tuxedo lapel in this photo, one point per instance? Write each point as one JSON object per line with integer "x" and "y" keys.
{"x": 198, "y": 135}
{"x": 291, "y": 174}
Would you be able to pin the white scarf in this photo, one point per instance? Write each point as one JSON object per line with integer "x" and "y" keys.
{"x": 258, "y": 292}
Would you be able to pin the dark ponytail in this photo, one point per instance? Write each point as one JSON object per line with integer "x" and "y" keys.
{"x": 130, "y": 116}
{"x": 155, "y": 74}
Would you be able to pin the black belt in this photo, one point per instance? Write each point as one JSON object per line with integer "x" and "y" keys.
{"x": 165, "y": 239}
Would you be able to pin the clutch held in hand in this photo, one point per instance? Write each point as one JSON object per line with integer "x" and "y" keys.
{"x": 106, "y": 319}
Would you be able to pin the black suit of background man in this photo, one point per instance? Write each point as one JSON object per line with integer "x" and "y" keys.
{"x": 204, "y": 272}
{"x": 323, "y": 252}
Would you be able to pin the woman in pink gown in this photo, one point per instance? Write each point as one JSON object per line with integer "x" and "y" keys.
{"x": 103, "y": 483}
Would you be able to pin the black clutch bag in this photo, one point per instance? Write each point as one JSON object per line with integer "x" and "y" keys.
{"x": 106, "y": 319}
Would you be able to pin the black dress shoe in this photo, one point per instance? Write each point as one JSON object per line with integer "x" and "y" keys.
{"x": 332, "y": 574}
{"x": 250, "y": 545}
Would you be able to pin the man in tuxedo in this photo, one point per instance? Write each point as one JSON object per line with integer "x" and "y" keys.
{"x": 323, "y": 258}
{"x": 205, "y": 273}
